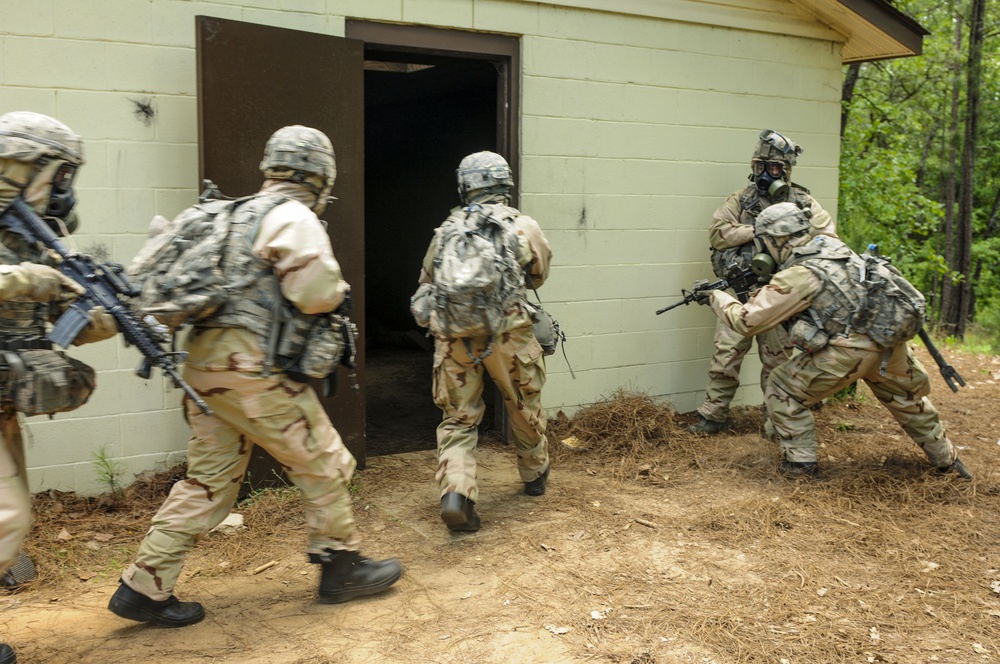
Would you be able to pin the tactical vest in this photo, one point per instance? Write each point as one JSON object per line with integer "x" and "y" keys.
{"x": 727, "y": 263}
{"x": 22, "y": 323}
{"x": 752, "y": 203}
{"x": 843, "y": 295}
{"x": 34, "y": 378}
{"x": 251, "y": 304}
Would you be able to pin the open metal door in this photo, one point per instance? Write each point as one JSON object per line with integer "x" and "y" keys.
{"x": 254, "y": 79}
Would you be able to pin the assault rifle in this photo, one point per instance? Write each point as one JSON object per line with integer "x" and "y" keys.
{"x": 104, "y": 283}
{"x": 742, "y": 282}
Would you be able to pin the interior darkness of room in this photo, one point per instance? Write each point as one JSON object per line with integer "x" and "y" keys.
{"x": 419, "y": 123}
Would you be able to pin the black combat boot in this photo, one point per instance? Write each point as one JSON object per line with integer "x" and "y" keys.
{"x": 958, "y": 468}
{"x": 347, "y": 575}
{"x": 458, "y": 513}
{"x": 170, "y": 612}
{"x": 706, "y": 427}
{"x": 797, "y": 469}
{"x": 7, "y": 655}
{"x": 536, "y": 487}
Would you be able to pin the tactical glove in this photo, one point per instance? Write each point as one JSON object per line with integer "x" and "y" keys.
{"x": 45, "y": 284}
{"x": 102, "y": 326}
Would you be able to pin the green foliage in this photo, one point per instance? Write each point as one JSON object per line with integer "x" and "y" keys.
{"x": 900, "y": 148}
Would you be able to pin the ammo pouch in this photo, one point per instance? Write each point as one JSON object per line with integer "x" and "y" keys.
{"x": 322, "y": 349}
{"x": 807, "y": 336}
{"x": 42, "y": 382}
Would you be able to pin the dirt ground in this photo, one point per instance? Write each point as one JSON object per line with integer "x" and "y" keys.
{"x": 651, "y": 545}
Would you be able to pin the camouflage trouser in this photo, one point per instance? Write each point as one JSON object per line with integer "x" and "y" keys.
{"x": 806, "y": 379}
{"x": 283, "y": 417}
{"x": 724, "y": 373}
{"x": 518, "y": 370}
{"x": 15, "y": 503}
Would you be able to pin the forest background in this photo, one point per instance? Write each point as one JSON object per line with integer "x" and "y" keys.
{"x": 920, "y": 165}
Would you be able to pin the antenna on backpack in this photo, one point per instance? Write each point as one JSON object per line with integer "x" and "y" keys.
{"x": 210, "y": 192}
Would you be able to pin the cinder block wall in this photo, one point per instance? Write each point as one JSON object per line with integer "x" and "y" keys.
{"x": 633, "y": 131}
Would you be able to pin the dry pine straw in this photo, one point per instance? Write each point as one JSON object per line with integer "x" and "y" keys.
{"x": 880, "y": 560}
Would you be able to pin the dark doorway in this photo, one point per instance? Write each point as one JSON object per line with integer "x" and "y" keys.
{"x": 423, "y": 113}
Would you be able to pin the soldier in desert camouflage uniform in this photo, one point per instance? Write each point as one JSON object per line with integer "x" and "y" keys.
{"x": 514, "y": 360}
{"x": 731, "y": 238}
{"x": 278, "y": 231}
{"x": 814, "y": 280}
{"x": 39, "y": 157}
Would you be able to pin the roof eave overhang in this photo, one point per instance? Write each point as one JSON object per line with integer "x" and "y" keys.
{"x": 873, "y": 29}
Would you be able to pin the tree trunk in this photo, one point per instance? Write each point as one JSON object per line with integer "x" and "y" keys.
{"x": 847, "y": 94}
{"x": 966, "y": 207}
{"x": 949, "y": 289}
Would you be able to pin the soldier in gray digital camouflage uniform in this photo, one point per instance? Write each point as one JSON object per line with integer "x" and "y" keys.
{"x": 819, "y": 287}
{"x": 731, "y": 239}
{"x": 39, "y": 157}
{"x": 275, "y": 234}
{"x": 511, "y": 355}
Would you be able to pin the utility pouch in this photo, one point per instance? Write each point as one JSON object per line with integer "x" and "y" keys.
{"x": 42, "y": 382}
{"x": 807, "y": 336}
{"x": 324, "y": 347}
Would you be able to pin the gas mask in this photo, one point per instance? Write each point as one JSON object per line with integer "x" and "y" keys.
{"x": 49, "y": 190}
{"x": 62, "y": 198}
{"x": 769, "y": 178}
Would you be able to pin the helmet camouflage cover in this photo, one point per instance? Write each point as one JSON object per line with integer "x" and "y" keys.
{"x": 300, "y": 148}
{"x": 483, "y": 170}
{"x": 782, "y": 220}
{"x": 772, "y": 146}
{"x": 27, "y": 137}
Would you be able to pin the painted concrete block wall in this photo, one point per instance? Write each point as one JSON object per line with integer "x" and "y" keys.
{"x": 633, "y": 131}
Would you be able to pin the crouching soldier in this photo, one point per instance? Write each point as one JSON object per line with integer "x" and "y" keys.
{"x": 851, "y": 316}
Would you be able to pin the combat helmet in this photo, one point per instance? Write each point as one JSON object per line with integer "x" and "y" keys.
{"x": 772, "y": 146}
{"x": 782, "y": 227}
{"x": 303, "y": 150}
{"x": 27, "y": 136}
{"x": 54, "y": 152}
{"x": 483, "y": 170}
{"x": 771, "y": 164}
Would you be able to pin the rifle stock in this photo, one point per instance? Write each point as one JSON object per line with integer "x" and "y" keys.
{"x": 104, "y": 282}
{"x": 949, "y": 373}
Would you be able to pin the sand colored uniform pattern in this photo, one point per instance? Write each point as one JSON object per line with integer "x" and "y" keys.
{"x": 517, "y": 368}
{"x": 733, "y": 226}
{"x": 807, "y": 378}
{"x": 284, "y": 417}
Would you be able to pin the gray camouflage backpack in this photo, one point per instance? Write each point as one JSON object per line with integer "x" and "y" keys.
{"x": 477, "y": 279}
{"x": 179, "y": 271}
{"x": 865, "y": 294}
{"x": 894, "y": 309}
